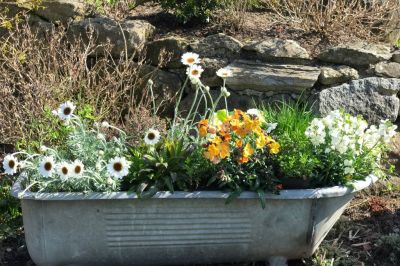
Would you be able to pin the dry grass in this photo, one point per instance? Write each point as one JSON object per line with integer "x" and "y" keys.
{"x": 38, "y": 73}
{"x": 364, "y": 19}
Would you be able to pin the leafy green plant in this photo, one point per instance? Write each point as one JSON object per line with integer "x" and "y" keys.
{"x": 186, "y": 10}
{"x": 296, "y": 159}
{"x": 10, "y": 212}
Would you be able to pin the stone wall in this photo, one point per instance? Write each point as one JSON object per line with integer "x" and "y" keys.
{"x": 362, "y": 78}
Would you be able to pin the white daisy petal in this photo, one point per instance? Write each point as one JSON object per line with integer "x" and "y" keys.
{"x": 65, "y": 111}
{"x": 77, "y": 168}
{"x": 190, "y": 59}
{"x": 224, "y": 73}
{"x": 10, "y": 164}
{"x": 64, "y": 170}
{"x": 194, "y": 72}
{"x": 46, "y": 166}
{"x": 152, "y": 137}
{"x": 118, "y": 167}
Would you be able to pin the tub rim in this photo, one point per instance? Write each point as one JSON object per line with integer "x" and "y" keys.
{"x": 327, "y": 192}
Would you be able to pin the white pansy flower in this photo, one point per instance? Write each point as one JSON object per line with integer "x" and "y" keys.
{"x": 46, "y": 166}
{"x": 10, "y": 164}
{"x": 224, "y": 73}
{"x": 152, "y": 137}
{"x": 118, "y": 167}
{"x": 190, "y": 59}
{"x": 348, "y": 162}
{"x": 271, "y": 127}
{"x": 349, "y": 170}
{"x": 66, "y": 110}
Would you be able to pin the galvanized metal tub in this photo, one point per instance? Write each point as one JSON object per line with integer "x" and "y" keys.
{"x": 180, "y": 228}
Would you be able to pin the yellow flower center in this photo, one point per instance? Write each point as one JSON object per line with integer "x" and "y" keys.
{"x": 195, "y": 72}
{"x": 190, "y": 60}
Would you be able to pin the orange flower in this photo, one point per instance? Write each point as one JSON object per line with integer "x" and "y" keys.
{"x": 274, "y": 147}
{"x": 224, "y": 150}
{"x": 243, "y": 159}
{"x": 239, "y": 143}
{"x": 203, "y": 127}
{"x": 225, "y": 136}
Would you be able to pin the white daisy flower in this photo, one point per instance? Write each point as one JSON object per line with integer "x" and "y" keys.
{"x": 77, "y": 168}
{"x": 10, "y": 164}
{"x": 64, "y": 170}
{"x": 224, "y": 73}
{"x": 65, "y": 111}
{"x": 118, "y": 167}
{"x": 46, "y": 166}
{"x": 194, "y": 72}
{"x": 190, "y": 59}
{"x": 152, "y": 137}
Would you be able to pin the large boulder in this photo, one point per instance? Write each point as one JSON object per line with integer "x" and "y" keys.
{"x": 271, "y": 77}
{"x": 166, "y": 51}
{"x": 276, "y": 50}
{"x": 337, "y": 74}
{"x": 129, "y": 35}
{"x": 388, "y": 69}
{"x": 165, "y": 86}
{"x": 60, "y": 11}
{"x": 373, "y": 98}
{"x": 218, "y": 45}
{"x": 396, "y": 56}
{"x": 356, "y": 54}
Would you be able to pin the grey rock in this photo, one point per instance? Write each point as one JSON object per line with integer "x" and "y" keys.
{"x": 396, "y": 57}
{"x": 271, "y": 77}
{"x": 61, "y": 11}
{"x": 165, "y": 85}
{"x": 388, "y": 69}
{"x": 136, "y": 33}
{"x": 373, "y": 98}
{"x": 211, "y": 66}
{"x": 276, "y": 50}
{"x": 166, "y": 51}
{"x": 218, "y": 45}
{"x": 337, "y": 74}
{"x": 356, "y": 54}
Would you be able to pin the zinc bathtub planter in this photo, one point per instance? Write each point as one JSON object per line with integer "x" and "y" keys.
{"x": 181, "y": 228}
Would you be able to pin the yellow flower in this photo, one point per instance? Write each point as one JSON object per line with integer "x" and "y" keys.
{"x": 224, "y": 150}
{"x": 261, "y": 141}
{"x": 203, "y": 127}
{"x": 248, "y": 150}
{"x": 274, "y": 147}
{"x": 212, "y": 152}
{"x": 239, "y": 143}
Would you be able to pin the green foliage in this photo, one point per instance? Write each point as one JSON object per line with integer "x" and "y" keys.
{"x": 186, "y": 10}
{"x": 388, "y": 249}
{"x": 10, "y": 213}
{"x": 169, "y": 165}
{"x": 397, "y": 44}
{"x": 296, "y": 159}
{"x": 47, "y": 129}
